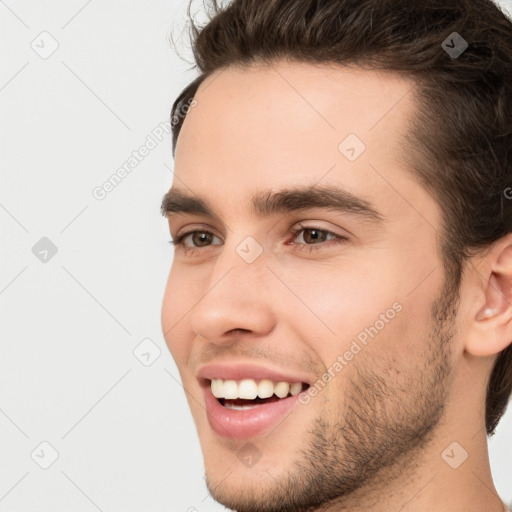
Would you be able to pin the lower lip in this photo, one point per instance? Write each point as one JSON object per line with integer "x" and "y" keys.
{"x": 236, "y": 424}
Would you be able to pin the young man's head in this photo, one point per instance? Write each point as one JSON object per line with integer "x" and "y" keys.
{"x": 340, "y": 300}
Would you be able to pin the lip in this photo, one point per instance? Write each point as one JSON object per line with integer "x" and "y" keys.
{"x": 235, "y": 424}
{"x": 245, "y": 424}
{"x": 240, "y": 371}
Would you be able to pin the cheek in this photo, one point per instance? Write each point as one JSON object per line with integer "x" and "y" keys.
{"x": 333, "y": 304}
{"x": 363, "y": 301}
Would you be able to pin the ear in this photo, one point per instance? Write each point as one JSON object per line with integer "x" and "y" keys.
{"x": 491, "y": 329}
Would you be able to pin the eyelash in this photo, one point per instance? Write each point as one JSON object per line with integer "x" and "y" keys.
{"x": 178, "y": 240}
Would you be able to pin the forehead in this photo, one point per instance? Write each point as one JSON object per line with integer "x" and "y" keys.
{"x": 288, "y": 123}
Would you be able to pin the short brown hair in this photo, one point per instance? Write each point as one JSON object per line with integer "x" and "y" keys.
{"x": 460, "y": 142}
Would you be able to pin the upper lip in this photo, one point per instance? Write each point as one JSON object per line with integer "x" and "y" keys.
{"x": 243, "y": 370}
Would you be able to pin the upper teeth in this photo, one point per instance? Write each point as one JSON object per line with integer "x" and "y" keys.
{"x": 249, "y": 389}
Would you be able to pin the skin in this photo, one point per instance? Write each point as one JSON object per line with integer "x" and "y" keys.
{"x": 373, "y": 438}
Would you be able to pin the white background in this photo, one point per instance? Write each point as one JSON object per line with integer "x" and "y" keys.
{"x": 68, "y": 376}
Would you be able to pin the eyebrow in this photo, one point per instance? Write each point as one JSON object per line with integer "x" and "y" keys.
{"x": 267, "y": 202}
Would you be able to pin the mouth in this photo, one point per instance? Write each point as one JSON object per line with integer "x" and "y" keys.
{"x": 250, "y": 393}
{"x": 241, "y": 409}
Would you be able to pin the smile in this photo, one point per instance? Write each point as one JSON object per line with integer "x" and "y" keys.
{"x": 245, "y": 408}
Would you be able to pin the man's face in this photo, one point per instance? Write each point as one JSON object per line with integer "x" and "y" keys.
{"x": 347, "y": 309}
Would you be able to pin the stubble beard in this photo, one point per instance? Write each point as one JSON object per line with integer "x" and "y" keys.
{"x": 390, "y": 415}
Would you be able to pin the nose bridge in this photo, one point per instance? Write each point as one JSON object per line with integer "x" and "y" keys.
{"x": 242, "y": 260}
{"x": 234, "y": 297}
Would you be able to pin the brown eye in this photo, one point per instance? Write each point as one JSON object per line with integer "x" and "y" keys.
{"x": 315, "y": 235}
{"x": 312, "y": 235}
{"x": 315, "y": 238}
{"x": 201, "y": 238}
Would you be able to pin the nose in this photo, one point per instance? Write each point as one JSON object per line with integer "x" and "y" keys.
{"x": 237, "y": 298}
